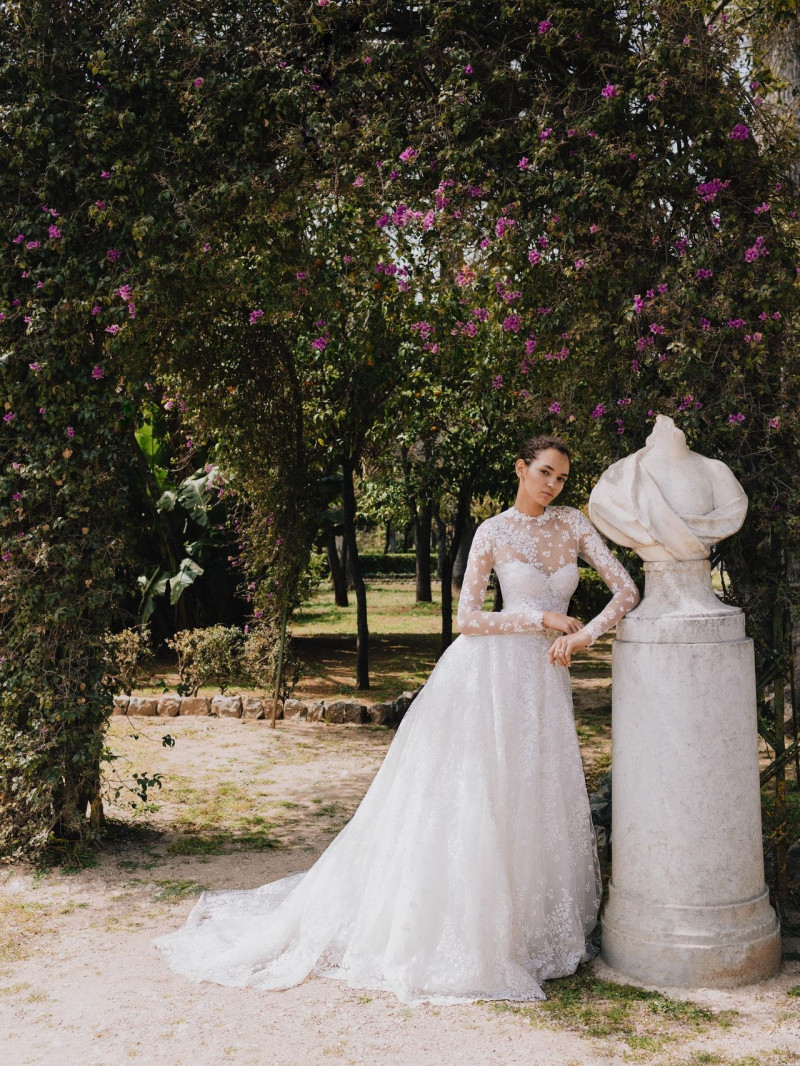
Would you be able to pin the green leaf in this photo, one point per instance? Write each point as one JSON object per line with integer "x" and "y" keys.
{"x": 187, "y": 575}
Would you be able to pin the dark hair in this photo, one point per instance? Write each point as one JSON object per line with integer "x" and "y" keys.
{"x": 531, "y": 448}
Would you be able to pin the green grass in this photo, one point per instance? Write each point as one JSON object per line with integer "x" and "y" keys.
{"x": 175, "y": 891}
{"x": 644, "y": 1020}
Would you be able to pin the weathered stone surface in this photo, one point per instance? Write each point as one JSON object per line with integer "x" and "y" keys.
{"x": 404, "y": 701}
{"x": 345, "y": 711}
{"x": 195, "y": 705}
{"x": 143, "y": 706}
{"x": 383, "y": 713}
{"x": 252, "y": 707}
{"x": 295, "y": 709}
{"x": 227, "y": 706}
{"x": 121, "y": 704}
{"x": 169, "y": 706}
{"x": 316, "y": 710}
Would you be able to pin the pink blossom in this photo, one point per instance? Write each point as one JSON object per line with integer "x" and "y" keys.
{"x": 53, "y": 232}
{"x": 497, "y": 382}
{"x": 112, "y": 329}
{"x": 198, "y": 83}
{"x": 656, "y": 328}
{"x": 124, "y": 292}
{"x": 738, "y": 417}
{"x": 105, "y": 174}
{"x": 681, "y": 245}
{"x": 255, "y": 315}
{"x": 533, "y": 257}
{"x": 705, "y": 324}
{"x": 301, "y": 274}
{"x": 367, "y": 60}
{"x": 206, "y": 247}
{"x": 544, "y": 27}
{"x": 523, "y": 163}
{"x": 530, "y": 344}
{"x": 96, "y": 310}
{"x": 98, "y": 373}
{"x": 756, "y": 250}
{"x": 774, "y": 423}
{"x": 20, "y": 237}
{"x": 425, "y": 329}
{"x": 542, "y": 242}
{"x": 704, "y": 273}
{"x": 33, "y": 244}
{"x": 381, "y": 221}
{"x": 512, "y": 323}
{"x": 359, "y": 181}
{"x": 686, "y": 39}
{"x": 408, "y": 155}
{"x": 610, "y": 90}
{"x": 709, "y": 190}
{"x": 736, "y": 323}
{"x": 599, "y": 411}
{"x": 594, "y": 228}
{"x": 579, "y": 264}
{"x": 545, "y": 133}
{"x": 468, "y": 68}
{"x": 761, "y": 208}
{"x": 35, "y": 367}
{"x": 503, "y": 224}
{"x": 70, "y": 432}
{"x": 9, "y": 416}
{"x": 319, "y": 344}
{"x": 554, "y": 408}
{"x": 113, "y": 255}
{"x": 740, "y": 132}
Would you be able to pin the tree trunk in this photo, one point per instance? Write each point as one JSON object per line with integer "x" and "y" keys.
{"x": 422, "y": 540}
{"x": 448, "y": 558}
{"x": 362, "y": 637}
{"x": 337, "y": 574}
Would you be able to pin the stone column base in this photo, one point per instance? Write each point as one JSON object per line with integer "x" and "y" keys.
{"x": 722, "y": 946}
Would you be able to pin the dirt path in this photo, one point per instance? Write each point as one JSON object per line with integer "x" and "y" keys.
{"x": 80, "y": 983}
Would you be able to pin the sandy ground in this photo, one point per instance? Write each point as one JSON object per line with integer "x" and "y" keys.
{"x": 81, "y": 984}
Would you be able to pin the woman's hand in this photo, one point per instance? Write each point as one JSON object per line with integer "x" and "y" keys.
{"x": 554, "y": 620}
{"x": 560, "y": 652}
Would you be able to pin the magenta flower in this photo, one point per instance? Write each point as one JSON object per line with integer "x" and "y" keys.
{"x": 512, "y": 323}
{"x": 736, "y": 323}
{"x": 555, "y": 408}
{"x": 599, "y": 411}
{"x": 367, "y": 60}
{"x": 53, "y": 232}
{"x": 359, "y": 181}
{"x": 198, "y": 83}
{"x": 544, "y": 27}
{"x": 112, "y": 329}
{"x": 105, "y": 174}
{"x": 468, "y": 68}
{"x": 705, "y": 324}
{"x": 523, "y": 163}
{"x": 98, "y": 373}
{"x": 703, "y": 273}
{"x": 545, "y": 133}
{"x": 113, "y": 255}
{"x": 681, "y": 245}
{"x": 530, "y": 344}
{"x": 70, "y": 432}
{"x": 709, "y": 190}
{"x": 20, "y": 237}
{"x": 408, "y": 155}
{"x": 579, "y": 264}
{"x": 504, "y": 224}
{"x": 609, "y": 90}
{"x": 533, "y": 257}
{"x": 656, "y": 328}
{"x": 425, "y": 329}
{"x": 593, "y": 228}
{"x": 738, "y": 417}
{"x": 761, "y": 208}
{"x": 35, "y": 367}
{"x": 9, "y": 416}
{"x": 96, "y": 310}
{"x": 255, "y": 315}
{"x": 480, "y": 313}
{"x": 319, "y": 344}
{"x": 33, "y": 244}
{"x": 124, "y": 292}
{"x": 756, "y": 250}
{"x": 774, "y": 423}
{"x": 381, "y": 221}
{"x": 497, "y": 382}
{"x": 740, "y": 132}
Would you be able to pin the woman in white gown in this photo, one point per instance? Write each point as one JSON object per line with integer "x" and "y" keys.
{"x": 469, "y": 871}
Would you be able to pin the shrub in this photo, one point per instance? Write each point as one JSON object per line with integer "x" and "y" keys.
{"x": 205, "y": 655}
{"x": 128, "y": 658}
{"x": 259, "y": 660}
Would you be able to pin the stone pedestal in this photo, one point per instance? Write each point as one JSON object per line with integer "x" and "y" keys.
{"x": 687, "y": 904}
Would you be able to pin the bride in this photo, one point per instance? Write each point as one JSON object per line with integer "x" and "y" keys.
{"x": 469, "y": 871}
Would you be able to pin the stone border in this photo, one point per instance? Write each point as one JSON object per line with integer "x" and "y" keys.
{"x": 335, "y": 711}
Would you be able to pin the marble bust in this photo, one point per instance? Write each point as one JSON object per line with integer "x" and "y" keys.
{"x": 666, "y": 501}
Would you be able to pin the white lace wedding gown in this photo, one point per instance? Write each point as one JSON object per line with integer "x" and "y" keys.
{"x": 469, "y": 871}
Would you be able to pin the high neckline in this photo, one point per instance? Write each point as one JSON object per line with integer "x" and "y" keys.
{"x": 520, "y": 516}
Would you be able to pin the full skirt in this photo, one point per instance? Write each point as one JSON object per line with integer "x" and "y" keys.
{"x": 469, "y": 871}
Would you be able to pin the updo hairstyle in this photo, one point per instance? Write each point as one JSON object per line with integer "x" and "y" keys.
{"x": 531, "y": 448}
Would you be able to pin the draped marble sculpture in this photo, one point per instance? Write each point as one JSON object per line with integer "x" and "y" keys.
{"x": 687, "y": 901}
{"x": 667, "y": 502}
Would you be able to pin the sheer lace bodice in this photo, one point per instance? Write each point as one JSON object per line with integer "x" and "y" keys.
{"x": 536, "y": 562}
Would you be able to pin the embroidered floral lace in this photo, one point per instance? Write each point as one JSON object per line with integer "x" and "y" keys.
{"x": 536, "y": 561}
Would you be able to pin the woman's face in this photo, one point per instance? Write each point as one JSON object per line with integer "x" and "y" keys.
{"x": 543, "y": 478}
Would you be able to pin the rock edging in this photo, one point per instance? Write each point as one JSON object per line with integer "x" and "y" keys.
{"x": 389, "y": 713}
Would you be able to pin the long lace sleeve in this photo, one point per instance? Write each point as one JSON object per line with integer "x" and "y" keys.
{"x": 595, "y": 551}
{"x": 472, "y": 619}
